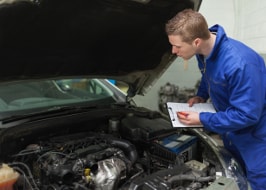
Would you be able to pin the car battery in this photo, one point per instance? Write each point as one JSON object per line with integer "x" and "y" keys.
{"x": 181, "y": 144}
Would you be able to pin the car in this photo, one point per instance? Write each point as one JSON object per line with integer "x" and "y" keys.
{"x": 66, "y": 125}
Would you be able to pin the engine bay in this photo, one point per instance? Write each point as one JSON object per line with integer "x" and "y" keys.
{"x": 129, "y": 153}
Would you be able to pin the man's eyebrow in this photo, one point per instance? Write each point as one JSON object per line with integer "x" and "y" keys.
{"x": 178, "y": 46}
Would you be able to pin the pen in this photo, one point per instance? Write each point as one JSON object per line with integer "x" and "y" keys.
{"x": 182, "y": 113}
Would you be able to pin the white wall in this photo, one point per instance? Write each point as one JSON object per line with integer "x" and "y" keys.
{"x": 251, "y": 23}
{"x": 244, "y": 20}
{"x": 220, "y": 12}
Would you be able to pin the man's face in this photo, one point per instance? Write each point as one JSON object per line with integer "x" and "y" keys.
{"x": 180, "y": 48}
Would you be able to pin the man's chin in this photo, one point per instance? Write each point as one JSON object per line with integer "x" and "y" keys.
{"x": 186, "y": 58}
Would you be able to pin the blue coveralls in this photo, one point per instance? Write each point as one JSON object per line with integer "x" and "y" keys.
{"x": 234, "y": 78}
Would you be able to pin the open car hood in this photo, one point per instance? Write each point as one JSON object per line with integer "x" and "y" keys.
{"x": 119, "y": 39}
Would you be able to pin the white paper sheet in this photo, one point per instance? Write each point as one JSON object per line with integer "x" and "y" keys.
{"x": 174, "y": 107}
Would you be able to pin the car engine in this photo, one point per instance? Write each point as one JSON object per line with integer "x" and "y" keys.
{"x": 130, "y": 153}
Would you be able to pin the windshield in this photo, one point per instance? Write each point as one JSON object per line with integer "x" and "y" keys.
{"x": 29, "y": 95}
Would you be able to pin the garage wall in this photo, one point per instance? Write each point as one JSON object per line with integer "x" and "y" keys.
{"x": 251, "y": 23}
{"x": 244, "y": 20}
{"x": 220, "y": 12}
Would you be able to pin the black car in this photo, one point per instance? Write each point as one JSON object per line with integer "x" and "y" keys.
{"x": 65, "y": 126}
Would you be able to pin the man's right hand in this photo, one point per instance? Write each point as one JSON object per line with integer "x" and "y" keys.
{"x": 194, "y": 100}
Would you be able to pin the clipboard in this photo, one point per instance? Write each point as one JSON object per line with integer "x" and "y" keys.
{"x": 174, "y": 107}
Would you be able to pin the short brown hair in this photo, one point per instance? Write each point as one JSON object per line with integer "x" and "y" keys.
{"x": 189, "y": 25}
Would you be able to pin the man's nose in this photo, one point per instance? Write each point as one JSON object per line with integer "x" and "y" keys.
{"x": 174, "y": 50}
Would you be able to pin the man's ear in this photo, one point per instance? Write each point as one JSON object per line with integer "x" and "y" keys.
{"x": 197, "y": 42}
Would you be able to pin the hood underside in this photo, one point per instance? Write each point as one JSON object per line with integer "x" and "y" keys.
{"x": 119, "y": 39}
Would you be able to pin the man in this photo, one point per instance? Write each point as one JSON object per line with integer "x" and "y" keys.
{"x": 234, "y": 79}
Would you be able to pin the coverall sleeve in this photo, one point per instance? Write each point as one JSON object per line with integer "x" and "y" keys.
{"x": 203, "y": 90}
{"x": 203, "y": 86}
{"x": 246, "y": 101}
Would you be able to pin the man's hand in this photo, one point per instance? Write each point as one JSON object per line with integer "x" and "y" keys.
{"x": 195, "y": 100}
{"x": 189, "y": 118}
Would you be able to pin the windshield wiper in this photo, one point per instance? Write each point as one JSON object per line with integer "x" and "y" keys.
{"x": 57, "y": 111}
{"x": 54, "y": 111}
